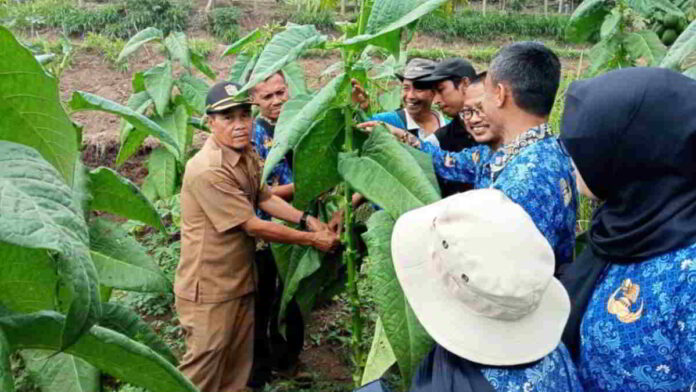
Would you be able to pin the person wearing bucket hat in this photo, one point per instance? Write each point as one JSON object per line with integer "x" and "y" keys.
{"x": 215, "y": 283}
{"x": 521, "y": 157}
{"x": 478, "y": 275}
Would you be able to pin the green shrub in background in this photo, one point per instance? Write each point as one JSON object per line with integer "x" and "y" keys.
{"x": 223, "y": 23}
{"x": 109, "y": 48}
{"x": 474, "y": 26}
{"x": 117, "y": 20}
{"x": 322, "y": 20}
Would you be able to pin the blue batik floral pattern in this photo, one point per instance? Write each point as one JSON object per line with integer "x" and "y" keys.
{"x": 532, "y": 171}
{"x": 555, "y": 373}
{"x": 281, "y": 173}
{"x": 639, "y": 330}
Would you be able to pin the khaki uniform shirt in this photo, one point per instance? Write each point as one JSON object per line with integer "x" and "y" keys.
{"x": 220, "y": 191}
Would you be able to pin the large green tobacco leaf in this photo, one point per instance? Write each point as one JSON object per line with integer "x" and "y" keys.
{"x": 242, "y": 43}
{"x": 284, "y": 48}
{"x": 178, "y": 48}
{"x": 109, "y": 351}
{"x": 140, "y": 39}
{"x": 132, "y": 138}
{"x": 295, "y": 78}
{"x": 199, "y": 62}
{"x": 388, "y": 175}
{"x": 162, "y": 172}
{"x": 125, "y": 321}
{"x": 176, "y": 123}
{"x": 85, "y": 101}
{"x": 6, "y": 381}
{"x": 316, "y": 159}
{"x": 294, "y": 263}
{"x": 381, "y": 356}
{"x": 587, "y": 20}
{"x": 38, "y": 211}
{"x": 122, "y": 262}
{"x": 158, "y": 83}
{"x": 30, "y": 109}
{"x": 194, "y": 91}
{"x": 407, "y": 337}
{"x": 681, "y": 49}
{"x": 387, "y": 35}
{"x": 645, "y": 45}
{"x": 242, "y": 67}
{"x": 300, "y": 116}
{"x": 691, "y": 72}
{"x": 29, "y": 279}
{"x": 425, "y": 162}
{"x": 114, "y": 193}
{"x": 61, "y": 372}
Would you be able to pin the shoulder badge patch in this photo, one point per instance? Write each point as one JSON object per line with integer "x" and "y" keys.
{"x": 622, "y": 307}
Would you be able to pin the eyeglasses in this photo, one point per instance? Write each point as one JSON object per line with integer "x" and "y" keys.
{"x": 468, "y": 113}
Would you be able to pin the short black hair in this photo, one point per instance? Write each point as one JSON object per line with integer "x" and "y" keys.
{"x": 479, "y": 78}
{"x": 532, "y": 71}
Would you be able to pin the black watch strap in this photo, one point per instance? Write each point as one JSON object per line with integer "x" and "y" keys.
{"x": 303, "y": 220}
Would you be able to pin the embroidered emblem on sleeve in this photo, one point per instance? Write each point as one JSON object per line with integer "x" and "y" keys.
{"x": 622, "y": 307}
{"x": 566, "y": 192}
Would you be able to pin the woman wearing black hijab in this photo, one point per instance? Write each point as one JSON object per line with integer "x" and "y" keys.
{"x": 632, "y": 136}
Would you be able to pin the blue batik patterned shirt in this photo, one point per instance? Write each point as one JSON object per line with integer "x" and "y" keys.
{"x": 555, "y": 373}
{"x": 639, "y": 330}
{"x": 533, "y": 171}
{"x": 281, "y": 174}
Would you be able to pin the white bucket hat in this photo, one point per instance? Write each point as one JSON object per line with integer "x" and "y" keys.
{"x": 479, "y": 277}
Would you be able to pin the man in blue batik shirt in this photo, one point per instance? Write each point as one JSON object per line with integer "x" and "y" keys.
{"x": 271, "y": 349}
{"x": 520, "y": 156}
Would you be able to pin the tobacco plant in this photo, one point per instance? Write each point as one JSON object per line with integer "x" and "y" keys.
{"x": 59, "y": 262}
{"x": 626, "y": 33}
{"x": 329, "y": 154}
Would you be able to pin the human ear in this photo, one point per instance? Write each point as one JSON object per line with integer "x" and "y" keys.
{"x": 500, "y": 94}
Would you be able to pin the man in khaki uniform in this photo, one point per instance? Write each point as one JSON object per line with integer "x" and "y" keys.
{"x": 215, "y": 279}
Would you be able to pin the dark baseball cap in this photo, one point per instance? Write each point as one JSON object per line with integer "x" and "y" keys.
{"x": 451, "y": 68}
{"x": 417, "y": 68}
{"x": 222, "y": 97}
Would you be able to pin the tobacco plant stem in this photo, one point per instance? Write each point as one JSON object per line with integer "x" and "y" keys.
{"x": 349, "y": 256}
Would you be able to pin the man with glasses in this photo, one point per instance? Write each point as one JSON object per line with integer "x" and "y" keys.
{"x": 520, "y": 156}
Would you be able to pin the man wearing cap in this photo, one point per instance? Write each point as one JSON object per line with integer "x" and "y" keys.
{"x": 521, "y": 157}
{"x": 215, "y": 279}
{"x": 478, "y": 275}
{"x": 450, "y": 80}
{"x": 416, "y": 117}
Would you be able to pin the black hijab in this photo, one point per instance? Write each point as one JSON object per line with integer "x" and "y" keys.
{"x": 632, "y": 135}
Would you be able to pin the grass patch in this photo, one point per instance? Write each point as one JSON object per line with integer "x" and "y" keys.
{"x": 483, "y": 53}
{"x": 109, "y": 48}
{"x": 204, "y": 47}
{"x": 323, "y": 20}
{"x": 475, "y": 27}
{"x": 223, "y": 23}
{"x": 117, "y": 20}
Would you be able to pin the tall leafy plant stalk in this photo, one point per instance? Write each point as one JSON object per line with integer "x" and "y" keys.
{"x": 328, "y": 154}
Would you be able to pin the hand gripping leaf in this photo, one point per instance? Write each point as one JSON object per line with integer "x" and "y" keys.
{"x": 37, "y": 211}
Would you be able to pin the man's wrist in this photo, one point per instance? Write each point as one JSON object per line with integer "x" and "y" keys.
{"x": 303, "y": 220}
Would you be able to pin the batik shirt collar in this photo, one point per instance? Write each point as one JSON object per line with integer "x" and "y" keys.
{"x": 266, "y": 119}
{"x": 510, "y": 150}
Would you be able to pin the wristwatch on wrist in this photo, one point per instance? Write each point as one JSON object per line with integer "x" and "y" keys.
{"x": 303, "y": 220}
